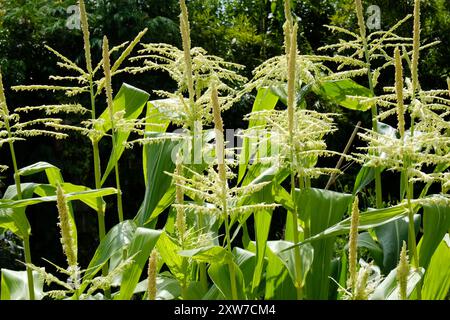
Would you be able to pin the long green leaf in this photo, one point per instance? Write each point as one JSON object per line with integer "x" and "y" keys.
{"x": 368, "y": 219}
{"x": 167, "y": 287}
{"x": 157, "y": 121}
{"x": 342, "y": 92}
{"x": 391, "y": 236}
{"x": 321, "y": 209}
{"x": 262, "y": 227}
{"x": 54, "y": 178}
{"x": 365, "y": 240}
{"x": 141, "y": 246}
{"x": 436, "y": 284}
{"x": 168, "y": 250}
{"x": 436, "y": 223}
{"x": 82, "y": 195}
{"x": 118, "y": 238}
{"x": 210, "y": 254}
{"x": 131, "y": 101}
{"x": 159, "y": 161}
{"x": 265, "y": 100}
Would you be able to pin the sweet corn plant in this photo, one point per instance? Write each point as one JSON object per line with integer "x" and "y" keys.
{"x": 216, "y": 203}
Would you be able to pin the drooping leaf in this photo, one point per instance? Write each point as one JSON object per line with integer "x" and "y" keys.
{"x": 278, "y": 283}
{"x": 53, "y": 173}
{"x": 50, "y": 190}
{"x": 210, "y": 254}
{"x": 365, "y": 176}
{"x": 118, "y": 238}
{"x": 342, "y": 92}
{"x": 85, "y": 195}
{"x": 168, "y": 249}
{"x": 167, "y": 287}
{"x": 7, "y": 222}
{"x": 287, "y": 257}
{"x": 369, "y": 219}
{"x": 54, "y": 178}
{"x": 365, "y": 240}
{"x": 391, "y": 236}
{"x": 220, "y": 275}
{"x": 15, "y": 221}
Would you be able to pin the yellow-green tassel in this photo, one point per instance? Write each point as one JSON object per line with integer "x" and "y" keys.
{"x": 416, "y": 47}
{"x": 152, "y": 265}
{"x": 353, "y": 245}
{"x": 67, "y": 235}
{"x": 399, "y": 92}
{"x": 403, "y": 273}
{"x": 360, "y": 15}
{"x": 86, "y": 36}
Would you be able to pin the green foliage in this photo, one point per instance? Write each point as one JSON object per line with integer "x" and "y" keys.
{"x": 211, "y": 228}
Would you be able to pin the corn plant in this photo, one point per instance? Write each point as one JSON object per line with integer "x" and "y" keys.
{"x": 207, "y": 196}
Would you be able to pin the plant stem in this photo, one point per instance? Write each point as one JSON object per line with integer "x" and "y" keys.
{"x": 412, "y": 238}
{"x": 234, "y": 294}
{"x": 297, "y": 256}
{"x": 26, "y": 237}
{"x": 374, "y": 111}
{"x": 411, "y": 228}
{"x": 291, "y": 55}
{"x": 16, "y": 170}
{"x": 26, "y": 247}
{"x": 97, "y": 177}
{"x": 220, "y": 154}
{"x": 97, "y": 170}
{"x": 119, "y": 191}
{"x": 202, "y": 266}
{"x": 11, "y": 146}
{"x": 100, "y": 212}
{"x": 110, "y": 106}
